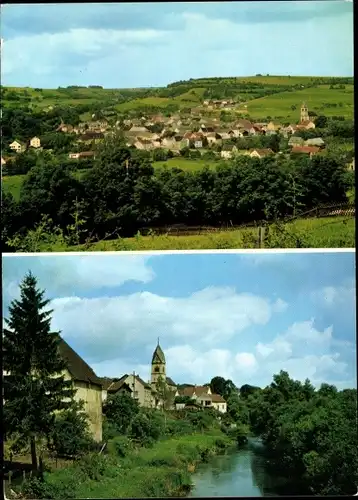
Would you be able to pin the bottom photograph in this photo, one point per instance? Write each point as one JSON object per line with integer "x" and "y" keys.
{"x": 179, "y": 375}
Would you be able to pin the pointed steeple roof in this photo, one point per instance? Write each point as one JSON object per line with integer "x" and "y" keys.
{"x": 158, "y": 355}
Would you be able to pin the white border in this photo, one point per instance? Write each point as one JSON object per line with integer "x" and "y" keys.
{"x": 185, "y": 252}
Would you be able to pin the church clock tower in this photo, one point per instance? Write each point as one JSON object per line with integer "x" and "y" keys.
{"x": 304, "y": 113}
{"x": 158, "y": 365}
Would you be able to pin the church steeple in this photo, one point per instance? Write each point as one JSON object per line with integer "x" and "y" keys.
{"x": 304, "y": 113}
{"x": 158, "y": 364}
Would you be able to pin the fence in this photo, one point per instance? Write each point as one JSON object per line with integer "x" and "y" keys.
{"x": 323, "y": 211}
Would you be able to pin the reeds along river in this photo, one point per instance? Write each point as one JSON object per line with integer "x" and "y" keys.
{"x": 243, "y": 472}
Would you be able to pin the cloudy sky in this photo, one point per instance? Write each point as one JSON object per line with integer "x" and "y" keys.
{"x": 153, "y": 44}
{"x": 240, "y": 316}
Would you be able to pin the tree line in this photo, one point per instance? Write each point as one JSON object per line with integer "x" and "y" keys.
{"x": 122, "y": 193}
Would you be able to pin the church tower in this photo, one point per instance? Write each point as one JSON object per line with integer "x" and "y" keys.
{"x": 304, "y": 113}
{"x": 158, "y": 365}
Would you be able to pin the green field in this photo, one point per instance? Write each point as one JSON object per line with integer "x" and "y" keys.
{"x": 12, "y": 184}
{"x": 279, "y": 105}
{"x": 184, "y": 164}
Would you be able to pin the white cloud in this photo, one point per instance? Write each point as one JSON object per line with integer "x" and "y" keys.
{"x": 58, "y": 274}
{"x": 335, "y": 295}
{"x": 206, "y": 318}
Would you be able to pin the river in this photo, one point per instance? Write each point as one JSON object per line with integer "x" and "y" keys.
{"x": 242, "y": 472}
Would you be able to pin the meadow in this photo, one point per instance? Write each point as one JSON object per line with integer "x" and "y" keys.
{"x": 279, "y": 105}
{"x": 321, "y": 98}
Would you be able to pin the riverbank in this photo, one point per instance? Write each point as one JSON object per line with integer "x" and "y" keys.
{"x": 163, "y": 470}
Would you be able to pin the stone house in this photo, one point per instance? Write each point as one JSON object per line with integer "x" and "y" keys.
{"x": 17, "y": 146}
{"x": 307, "y": 150}
{"x": 261, "y": 153}
{"x": 228, "y": 151}
{"x": 35, "y": 142}
{"x": 88, "y": 387}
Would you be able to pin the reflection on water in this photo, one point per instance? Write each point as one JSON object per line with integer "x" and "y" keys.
{"x": 240, "y": 473}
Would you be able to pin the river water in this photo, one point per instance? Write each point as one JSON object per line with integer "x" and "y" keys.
{"x": 242, "y": 472}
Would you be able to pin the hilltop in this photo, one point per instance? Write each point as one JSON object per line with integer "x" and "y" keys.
{"x": 259, "y": 97}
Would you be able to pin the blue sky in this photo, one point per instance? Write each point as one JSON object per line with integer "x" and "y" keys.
{"x": 153, "y": 44}
{"x": 240, "y": 316}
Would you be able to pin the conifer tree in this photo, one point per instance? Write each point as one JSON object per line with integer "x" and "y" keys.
{"x": 34, "y": 386}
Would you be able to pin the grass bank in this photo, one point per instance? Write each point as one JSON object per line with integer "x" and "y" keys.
{"x": 332, "y": 232}
{"x": 160, "y": 471}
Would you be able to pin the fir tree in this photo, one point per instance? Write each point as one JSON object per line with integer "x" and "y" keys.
{"x": 34, "y": 387}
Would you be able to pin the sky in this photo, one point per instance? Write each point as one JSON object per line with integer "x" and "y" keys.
{"x": 239, "y": 316}
{"x": 153, "y": 44}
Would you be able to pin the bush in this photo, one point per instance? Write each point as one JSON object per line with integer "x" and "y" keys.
{"x": 119, "y": 446}
{"x": 70, "y": 436}
{"x": 145, "y": 429}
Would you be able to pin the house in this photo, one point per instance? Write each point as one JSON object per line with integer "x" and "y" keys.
{"x": 317, "y": 141}
{"x": 219, "y": 403}
{"x": 17, "y": 147}
{"x": 296, "y": 141}
{"x": 64, "y": 128}
{"x": 90, "y": 136}
{"x": 228, "y": 150}
{"x": 35, "y": 142}
{"x": 143, "y": 143}
{"x": 114, "y": 386}
{"x": 235, "y": 133}
{"x": 261, "y": 153}
{"x": 74, "y": 156}
{"x": 308, "y": 150}
{"x": 222, "y": 136}
{"x": 289, "y": 130}
{"x": 137, "y": 130}
{"x": 141, "y": 391}
{"x": 203, "y": 396}
{"x": 169, "y": 142}
{"x": 272, "y": 128}
{"x": 88, "y": 387}
{"x": 306, "y": 125}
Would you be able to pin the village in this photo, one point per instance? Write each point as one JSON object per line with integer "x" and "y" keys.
{"x": 94, "y": 390}
{"x": 177, "y": 133}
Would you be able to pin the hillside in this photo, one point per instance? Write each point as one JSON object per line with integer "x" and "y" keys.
{"x": 256, "y": 96}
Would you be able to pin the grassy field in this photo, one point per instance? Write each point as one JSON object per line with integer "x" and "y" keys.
{"x": 185, "y": 164}
{"x": 334, "y": 232}
{"x": 12, "y": 184}
{"x": 279, "y": 105}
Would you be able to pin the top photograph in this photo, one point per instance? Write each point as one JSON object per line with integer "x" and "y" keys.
{"x": 177, "y": 126}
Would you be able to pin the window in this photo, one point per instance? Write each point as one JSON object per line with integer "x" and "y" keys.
{"x": 136, "y": 394}
{"x": 156, "y": 369}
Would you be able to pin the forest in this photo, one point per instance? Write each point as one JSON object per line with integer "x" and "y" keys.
{"x": 122, "y": 193}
